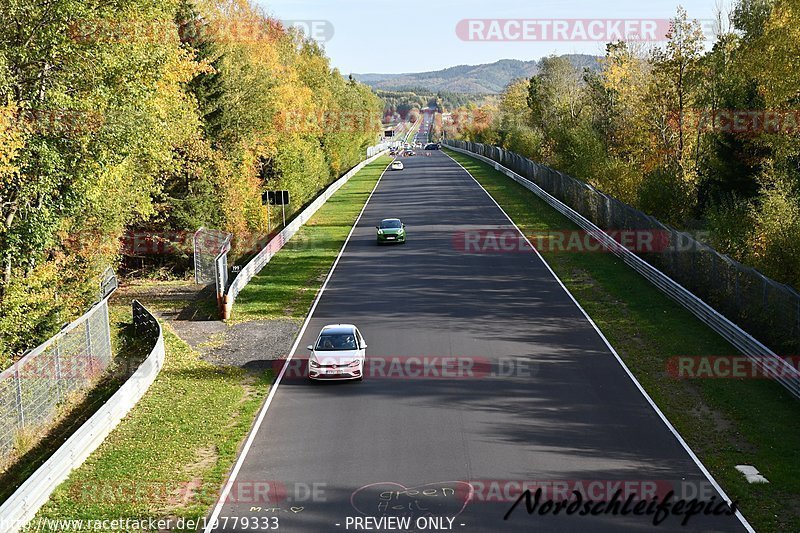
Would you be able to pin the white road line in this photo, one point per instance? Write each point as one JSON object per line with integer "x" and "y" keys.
{"x": 677, "y": 435}
{"x": 232, "y": 479}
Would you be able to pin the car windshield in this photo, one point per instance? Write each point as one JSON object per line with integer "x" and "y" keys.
{"x": 390, "y": 224}
{"x": 336, "y": 341}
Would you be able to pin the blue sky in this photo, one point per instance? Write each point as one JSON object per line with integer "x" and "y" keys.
{"x": 416, "y": 35}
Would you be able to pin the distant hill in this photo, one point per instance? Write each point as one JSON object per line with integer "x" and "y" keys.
{"x": 490, "y": 78}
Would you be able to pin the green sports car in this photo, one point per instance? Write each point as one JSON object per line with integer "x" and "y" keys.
{"x": 391, "y": 230}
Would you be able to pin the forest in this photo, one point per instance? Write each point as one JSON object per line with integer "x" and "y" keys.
{"x": 399, "y": 105}
{"x": 701, "y": 131}
{"x": 152, "y": 117}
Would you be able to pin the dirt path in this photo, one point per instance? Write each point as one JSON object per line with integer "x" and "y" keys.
{"x": 191, "y": 312}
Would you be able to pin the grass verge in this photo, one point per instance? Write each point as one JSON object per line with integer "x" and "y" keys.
{"x": 725, "y": 421}
{"x": 169, "y": 457}
{"x": 287, "y": 285}
{"x": 36, "y": 446}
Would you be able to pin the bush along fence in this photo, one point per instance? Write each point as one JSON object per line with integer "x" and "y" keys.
{"x": 726, "y": 295}
{"x": 227, "y": 292}
{"x": 23, "y": 505}
{"x": 34, "y": 386}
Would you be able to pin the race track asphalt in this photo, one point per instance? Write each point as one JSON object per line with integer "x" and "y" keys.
{"x": 532, "y": 393}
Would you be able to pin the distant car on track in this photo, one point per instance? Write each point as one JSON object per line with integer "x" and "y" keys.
{"x": 338, "y": 354}
{"x": 397, "y": 165}
{"x": 391, "y": 230}
{"x": 432, "y": 146}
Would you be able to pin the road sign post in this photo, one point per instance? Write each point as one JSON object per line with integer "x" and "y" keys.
{"x": 276, "y": 198}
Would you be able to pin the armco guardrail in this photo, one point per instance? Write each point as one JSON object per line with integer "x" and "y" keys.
{"x": 263, "y": 257}
{"x": 23, "y": 505}
{"x": 762, "y": 357}
{"x": 744, "y": 295}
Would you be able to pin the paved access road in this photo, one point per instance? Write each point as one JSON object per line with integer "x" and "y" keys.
{"x": 538, "y": 396}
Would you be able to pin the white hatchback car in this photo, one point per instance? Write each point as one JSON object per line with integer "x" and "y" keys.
{"x": 397, "y": 165}
{"x": 338, "y": 353}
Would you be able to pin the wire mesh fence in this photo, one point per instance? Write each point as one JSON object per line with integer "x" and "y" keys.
{"x": 208, "y": 245}
{"x": 33, "y": 388}
{"x": 756, "y": 303}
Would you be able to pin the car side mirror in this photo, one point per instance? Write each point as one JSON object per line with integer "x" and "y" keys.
{"x": 310, "y": 347}
{"x": 365, "y": 346}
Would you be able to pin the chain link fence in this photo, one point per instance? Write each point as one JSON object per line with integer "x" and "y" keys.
{"x": 208, "y": 245}
{"x": 751, "y": 300}
{"x": 21, "y": 507}
{"x": 33, "y": 388}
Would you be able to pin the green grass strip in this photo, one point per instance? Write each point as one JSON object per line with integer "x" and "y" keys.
{"x": 169, "y": 457}
{"x": 286, "y": 287}
{"x": 725, "y": 421}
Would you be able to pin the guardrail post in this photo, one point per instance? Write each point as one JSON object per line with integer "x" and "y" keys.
{"x": 227, "y": 306}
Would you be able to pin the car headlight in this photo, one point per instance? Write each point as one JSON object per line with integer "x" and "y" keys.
{"x": 313, "y": 363}
{"x": 355, "y": 363}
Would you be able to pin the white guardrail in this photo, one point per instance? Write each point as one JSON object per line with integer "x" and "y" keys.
{"x": 761, "y": 356}
{"x": 254, "y": 266}
{"x": 26, "y": 501}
